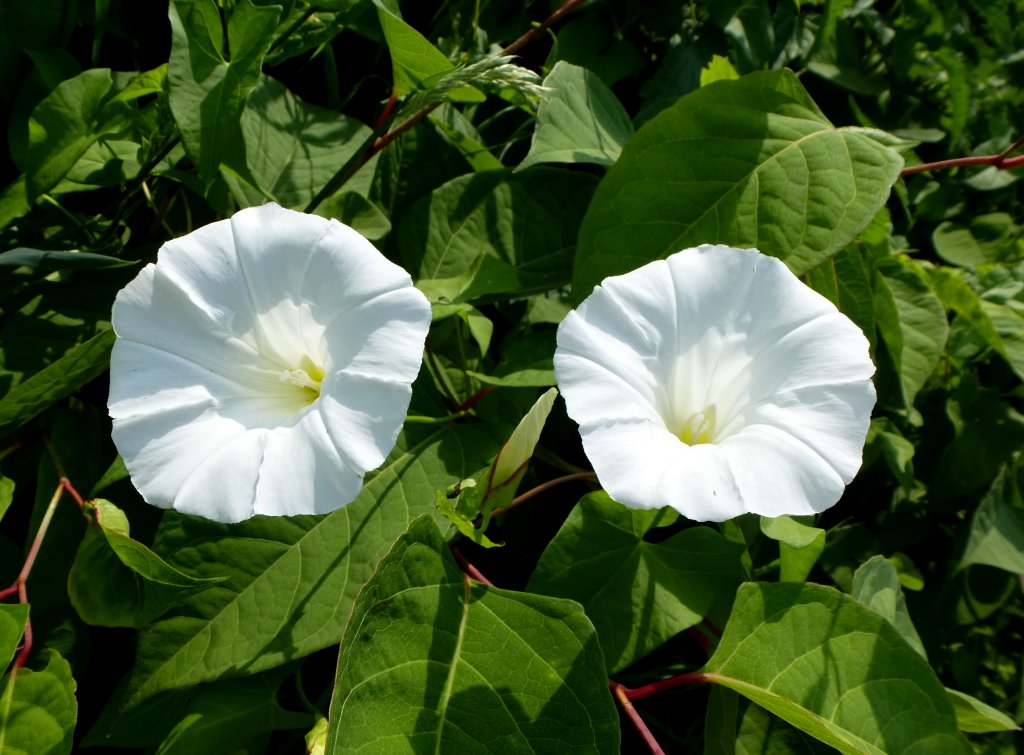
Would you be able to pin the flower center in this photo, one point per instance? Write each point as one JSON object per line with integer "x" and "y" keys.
{"x": 699, "y": 428}
{"x": 307, "y": 376}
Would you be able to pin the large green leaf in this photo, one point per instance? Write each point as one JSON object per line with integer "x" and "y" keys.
{"x": 495, "y": 232}
{"x": 116, "y": 581}
{"x": 638, "y": 593}
{"x": 749, "y": 162}
{"x": 70, "y": 372}
{"x": 292, "y": 149}
{"x": 209, "y": 77}
{"x": 435, "y": 662}
{"x": 67, "y": 123}
{"x": 834, "y": 669}
{"x": 579, "y": 120}
{"x": 911, "y": 321}
{"x": 290, "y": 580}
{"x": 38, "y": 709}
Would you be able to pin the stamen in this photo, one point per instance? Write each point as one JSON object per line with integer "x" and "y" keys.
{"x": 700, "y": 428}
{"x": 300, "y": 378}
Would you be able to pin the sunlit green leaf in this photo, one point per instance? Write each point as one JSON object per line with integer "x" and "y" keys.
{"x": 290, "y": 579}
{"x": 579, "y": 120}
{"x": 63, "y": 126}
{"x": 911, "y": 321}
{"x": 876, "y": 584}
{"x": 800, "y": 545}
{"x": 12, "y": 627}
{"x": 750, "y": 162}
{"x": 438, "y": 662}
{"x": 292, "y": 149}
{"x": 878, "y": 695}
{"x": 38, "y": 709}
{"x": 638, "y": 591}
{"x": 975, "y": 717}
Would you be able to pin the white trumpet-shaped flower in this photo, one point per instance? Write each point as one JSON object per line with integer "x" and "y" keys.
{"x": 263, "y": 365}
{"x": 715, "y": 382}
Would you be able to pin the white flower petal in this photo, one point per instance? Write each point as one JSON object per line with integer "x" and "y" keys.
{"x": 717, "y": 383}
{"x": 222, "y": 487}
{"x": 302, "y": 472}
{"x": 263, "y": 365}
{"x": 204, "y": 264}
{"x": 381, "y": 338}
{"x": 163, "y": 449}
{"x": 833, "y": 420}
{"x": 155, "y": 311}
{"x": 335, "y": 282}
{"x": 778, "y": 474}
{"x": 364, "y": 431}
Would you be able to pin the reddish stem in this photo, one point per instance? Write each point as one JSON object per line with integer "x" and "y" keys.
{"x": 561, "y": 12}
{"x": 621, "y": 694}
{"x": 545, "y": 486}
{"x": 663, "y": 685}
{"x": 468, "y": 568}
{"x": 1001, "y": 161}
{"x": 26, "y": 569}
{"x": 66, "y": 484}
{"x": 473, "y": 400}
{"x": 381, "y": 142}
{"x": 388, "y": 109}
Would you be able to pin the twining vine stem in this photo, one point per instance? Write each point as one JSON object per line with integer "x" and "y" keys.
{"x": 382, "y": 137}
{"x": 545, "y": 486}
{"x": 1001, "y": 161}
{"x": 18, "y": 586}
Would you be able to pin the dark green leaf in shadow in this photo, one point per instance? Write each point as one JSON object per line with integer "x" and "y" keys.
{"x": 77, "y": 367}
{"x": 495, "y": 232}
{"x": 43, "y": 259}
{"x": 440, "y": 663}
{"x": 996, "y": 534}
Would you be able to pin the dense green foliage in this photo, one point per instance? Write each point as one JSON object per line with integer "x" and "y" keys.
{"x": 893, "y": 622}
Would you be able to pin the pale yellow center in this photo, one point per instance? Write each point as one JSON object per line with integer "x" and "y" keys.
{"x": 699, "y": 428}
{"x": 307, "y": 376}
